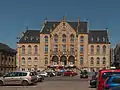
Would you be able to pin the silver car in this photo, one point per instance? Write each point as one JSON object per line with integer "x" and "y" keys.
{"x": 19, "y": 77}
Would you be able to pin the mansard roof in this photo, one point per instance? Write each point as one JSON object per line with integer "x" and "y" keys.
{"x": 98, "y": 36}
{"x": 4, "y": 47}
{"x": 51, "y": 25}
{"x": 30, "y": 36}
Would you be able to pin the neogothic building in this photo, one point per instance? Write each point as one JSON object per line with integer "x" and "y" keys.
{"x": 64, "y": 43}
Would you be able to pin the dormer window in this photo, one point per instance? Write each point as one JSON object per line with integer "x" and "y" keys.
{"x": 91, "y": 38}
{"x": 25, "y": 38}
{"x": 31, "y": 38}
{"x": 53, "y": 25}
{"x": 37, "y": 38}
{"x": 103, "y": 39}
{"x": 98, "y": 39}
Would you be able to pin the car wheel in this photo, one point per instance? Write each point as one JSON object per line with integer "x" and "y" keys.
{"x": 1, "y": 83}
{"x": 24, "y": 83}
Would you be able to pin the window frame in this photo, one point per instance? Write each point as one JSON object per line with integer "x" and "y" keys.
{"x": 46, "y": 39}
{"x": 64, "y": 38}
{"x": 81, "y": 39}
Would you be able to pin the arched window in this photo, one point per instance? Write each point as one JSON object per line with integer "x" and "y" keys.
{"x": 63, "y": 38}
{"x": 98, "y": 49}
{"x": 29, "y": 49}
{"x": 81, "y": 60}
{"x": 104, "y": 49}
{"x": 36, "y": 59}
{"x": 36, "y": 49}
{"x": 23, "y": 61}
{"x": 104, "y": 60}
{"x": 92, "y": 49}
{"x": 81, "y": 39}
{"x": 29, "y": 61}
{"x": 23, "y": 49}
{"x": 98, "y": 60}
{"x": 71, "y": 38}
{"x": 46, "y": 39}
{"x": 56, "y": 38}
{"x": 92, "y": 61}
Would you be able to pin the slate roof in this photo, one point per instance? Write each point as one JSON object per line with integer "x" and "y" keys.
{"x": 4, "y": 47}
{"x": 30, "y": 36}
{"x": 98, "y": 36}
{"x": 52, "y": 24}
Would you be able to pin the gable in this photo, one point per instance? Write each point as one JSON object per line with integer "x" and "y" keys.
{"x": 64, "y": 28}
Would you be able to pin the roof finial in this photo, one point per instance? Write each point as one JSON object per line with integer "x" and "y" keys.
{"x": 63, "y": 18}
{"x": 78, "y": 20}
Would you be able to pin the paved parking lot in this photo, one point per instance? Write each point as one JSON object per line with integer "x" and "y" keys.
{"x": 55, "y": 83}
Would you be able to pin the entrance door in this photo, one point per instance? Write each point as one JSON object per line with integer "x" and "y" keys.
{"x": 63, "y": 60}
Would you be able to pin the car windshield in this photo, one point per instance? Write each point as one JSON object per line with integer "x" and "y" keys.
{"x": 107, "y": 74}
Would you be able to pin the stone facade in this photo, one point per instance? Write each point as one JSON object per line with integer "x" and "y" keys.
{"x": 64, "y": 44}
{"x": 7, "y": 59}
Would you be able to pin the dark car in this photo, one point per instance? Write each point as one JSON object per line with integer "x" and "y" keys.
{"x": 112, "y": 81}
{"x": 59, "y": 73}
{"x": 84, "y": 74}
{"x": 93, "y": 82}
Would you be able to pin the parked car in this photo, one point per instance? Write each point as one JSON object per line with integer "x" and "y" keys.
{"x": 103, "y": 74}
{"x": 69, "y": 73}
{"x": 112, "y": 81}
{"x": 84, "y": 74}
{"x": 45, "y": 74}
{"x": 21, "y": 77}
{"x": 51, "y": 74}
{"x": 93, "y": 83}
{"x": 115, "y": 88}
{"x": 40, "y": 78}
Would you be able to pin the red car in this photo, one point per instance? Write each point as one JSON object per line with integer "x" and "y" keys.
{"x": 102, "y": 76}
{"x": 69, "y": 73}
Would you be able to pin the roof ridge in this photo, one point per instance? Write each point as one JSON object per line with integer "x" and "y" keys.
{"x": 33, "y": 30}
{"x": 96, "y": 30}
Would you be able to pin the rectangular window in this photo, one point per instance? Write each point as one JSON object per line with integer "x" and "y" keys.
{"x": 81, "y": 60}
{"x": 56, "y": 48}
{"x": 46, "y": 48}
{"x": 81, "y": 48}
{"x": 71, "y": 48}
{"x": 63, "y": 48}
{"x": 56, "y": 39}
